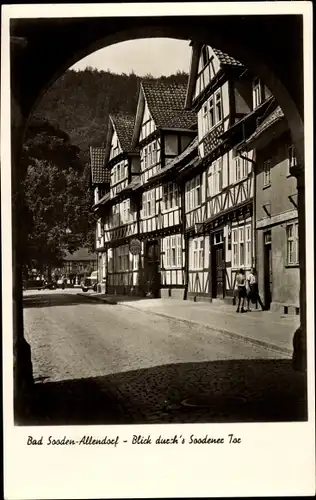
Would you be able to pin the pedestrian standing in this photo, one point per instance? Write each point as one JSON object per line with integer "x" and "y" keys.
{"x": 241, "y": 290}
{"x": 254, "y": 290}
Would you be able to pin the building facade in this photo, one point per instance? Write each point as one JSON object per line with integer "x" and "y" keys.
{"x": 163, "y": 130}
{"x": 219, "y": 194}
{"x": 186, "y": 182}
{"x": 277, "y": 258}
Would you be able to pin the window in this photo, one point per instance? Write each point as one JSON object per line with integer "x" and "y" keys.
{"x": 211, "y": 121}
{"x": 205, "y": 55}
{"x": 116, "y": 215}
{"x": 197, "y": 254}
{"x": 122, "y": 258}
{"x": 218, "y": 106}
{"x": 292, "y": 243}
{"x": 193, "y": 193}
{"x": 125, "y": 211}
{"x": 248, "y": 246}
{"x": 154, "y": 153}
{"x": 267, "y": 173}
{"x": 292, "y": 158}
{"x": 145, "y": 158}
{"x": 215, "y": 177}
{"x": 173, "y": 251}
{"x": 212, "y": 112}
{"x": 240, "y": 168}
{"x": 149, "y": 203}
{"x": 241, "y": 246}
{"x": 257, "y": 96}
{"x": 114, "y": 175}
{"x": 149, "y": 161}
{"x": 205, "y": 125}
{"x": 170, "y": 196}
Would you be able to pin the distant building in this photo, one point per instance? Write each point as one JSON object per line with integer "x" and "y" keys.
{"x": 78, "y": 265}
{"x": 277, "y": 256}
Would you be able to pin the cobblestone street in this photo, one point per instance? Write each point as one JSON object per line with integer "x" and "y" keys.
{"x": 95, "y": 363}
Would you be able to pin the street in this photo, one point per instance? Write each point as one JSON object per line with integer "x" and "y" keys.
{"x": 95, "y": 363}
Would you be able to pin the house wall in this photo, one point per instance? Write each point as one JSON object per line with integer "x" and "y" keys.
{"x": 275, "y": 196}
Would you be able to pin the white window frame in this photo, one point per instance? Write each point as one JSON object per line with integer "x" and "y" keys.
{"x": 218, "y": 106}
{"x": 292, "y": 257}
{"x": 149, "y": 203}
{"x": 126, "y": 211}
{"x": 193, "y": 193}
{"x": 170, "y": 196}
{"x": 267, "y": 173}
{"x": 240, "y": 169}
{"x": 257, "y": 97}
{"x": 154, "y": 152}
{"x": 173, "y": 251}
{"x": 215, "y": 177}
{"x": 122, "y": 258}
{"x": 145, "y": 158}
{"x": 242, "y": 247}
{"x": 197, "y": 254}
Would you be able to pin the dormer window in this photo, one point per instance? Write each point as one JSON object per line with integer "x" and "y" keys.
{"x": 257, "y": 93}
{"x": 205, "y": 55}
{"x": 212, "y": 113}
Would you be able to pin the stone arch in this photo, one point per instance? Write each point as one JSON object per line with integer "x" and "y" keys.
{"x": 262, "y": 43}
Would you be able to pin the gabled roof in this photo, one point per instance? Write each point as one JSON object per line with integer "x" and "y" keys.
{"x": 224, "y": 59}
{"x": 99, "y": 174}
{"x": 165, "y": 102}
{"x": 272, "y": 118}
{"x": 124, "y": 126}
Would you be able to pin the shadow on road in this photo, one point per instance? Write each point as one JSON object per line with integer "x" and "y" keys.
{"x": 48, "y": 299}
{"x": 254, "y": 390}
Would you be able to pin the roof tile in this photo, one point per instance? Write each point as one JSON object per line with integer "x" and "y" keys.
{"x": 166, "y": 103}
{"x": 225, "y": 59}
{"x": 99, "y": 173}
{"x": 273, "y": 117}
{"x": 124, "y": 126}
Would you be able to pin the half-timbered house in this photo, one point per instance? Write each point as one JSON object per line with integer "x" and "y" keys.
{"x": 219, "y": 190}
{"x": 117, "y": 209}
{"x": 100, "y": 179}
{"x": 163, "y": 130}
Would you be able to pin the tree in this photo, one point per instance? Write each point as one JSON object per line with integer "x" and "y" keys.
{"x": 56, "y": 194}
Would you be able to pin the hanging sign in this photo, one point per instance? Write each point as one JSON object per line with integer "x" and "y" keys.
{"x": 135, "y": 247}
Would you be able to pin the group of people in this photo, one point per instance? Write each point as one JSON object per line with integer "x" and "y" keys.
{"x": 247, "y": 289}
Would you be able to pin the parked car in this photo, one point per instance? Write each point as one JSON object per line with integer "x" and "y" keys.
{"x": 32, "y": 283}
{"x": 90, "y": 283}
{"x": 48, "y": 285}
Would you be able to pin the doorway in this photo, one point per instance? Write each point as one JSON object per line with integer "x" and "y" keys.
{"x": 152, "y": 268}
{"x": 218, "y": 265}
{"x": 267, "y": 269}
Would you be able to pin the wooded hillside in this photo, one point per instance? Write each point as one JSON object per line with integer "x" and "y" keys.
{"x": 79, "y": 103}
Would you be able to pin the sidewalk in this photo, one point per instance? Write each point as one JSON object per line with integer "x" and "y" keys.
{"x": 263, "y": 328}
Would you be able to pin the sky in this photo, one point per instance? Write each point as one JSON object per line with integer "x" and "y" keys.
{"x": 157, "y": 56}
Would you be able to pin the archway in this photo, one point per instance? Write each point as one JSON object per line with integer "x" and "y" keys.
{"x": 54, "y": 45}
